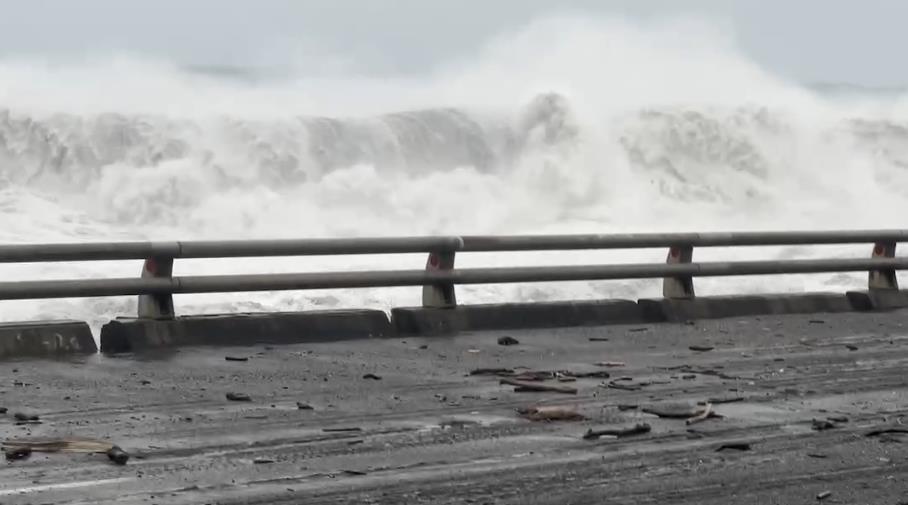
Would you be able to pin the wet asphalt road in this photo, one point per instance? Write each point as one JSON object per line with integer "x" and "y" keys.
{"x": 425, "y": 431}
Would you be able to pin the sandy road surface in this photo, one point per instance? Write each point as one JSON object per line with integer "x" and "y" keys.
{"x": 428, "y": 432}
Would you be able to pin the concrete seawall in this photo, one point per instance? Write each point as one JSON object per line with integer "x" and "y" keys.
{"x": 128, "y": 335}
{"x": 45, "y": 339}
{"x": 718, "y": 307}
{"x": 51, "y": 338}
{"x": 426, "y": 321}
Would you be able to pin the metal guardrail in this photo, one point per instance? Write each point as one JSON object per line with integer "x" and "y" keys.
{"x": 652, "y": 240}
{"x": 99, "y": 251}
{"x": 156, "y": 285}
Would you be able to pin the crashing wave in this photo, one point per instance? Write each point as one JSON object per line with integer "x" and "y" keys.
{"x": 69, "y": 149}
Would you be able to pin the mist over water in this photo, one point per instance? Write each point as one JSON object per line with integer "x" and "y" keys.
{"x": 568, "y": 125}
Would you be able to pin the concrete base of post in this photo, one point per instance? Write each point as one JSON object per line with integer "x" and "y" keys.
{"x": 717, "y": 307}
{"x": 429, "y": 321}
{"x": 133, "y": 334}
{"x": 45, "y": 338}
{"x": 878, "y": 299}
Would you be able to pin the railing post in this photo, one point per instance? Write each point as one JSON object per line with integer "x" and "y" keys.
{"x": 885, "y": 278}
{"x": 439, "y": 295}
{"x": 157, "y": 306}
{"x": 681, "y": 286}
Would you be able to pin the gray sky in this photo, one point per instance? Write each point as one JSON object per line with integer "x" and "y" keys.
{"x": 854, "y": 41}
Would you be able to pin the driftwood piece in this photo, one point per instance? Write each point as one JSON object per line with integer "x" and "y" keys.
{"x": 24, "y": 447}
{"x": 885, "y": 431}
{"x": 638, "y": 429}
{"x": 492, "y": 371}
{"x": 521, "y": 386}
{"x": 551, "y": 413}
{"x": 734, "y": 446}
{"x": 677, "y": 411}
{"x": 702, "y": 416}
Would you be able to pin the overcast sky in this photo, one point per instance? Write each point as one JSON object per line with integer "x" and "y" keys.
{"x": 855, "y": 41}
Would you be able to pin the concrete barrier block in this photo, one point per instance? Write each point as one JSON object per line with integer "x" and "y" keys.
{"x": 133, "y": 334}
{"x": 45, "y": 338}
{"x": 428, "y": 321}
{"x": 717, "y": 307}
{"x": 878, "y": 299}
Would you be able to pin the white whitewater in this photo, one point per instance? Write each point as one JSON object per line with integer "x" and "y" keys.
{"x": 565, "y": 126}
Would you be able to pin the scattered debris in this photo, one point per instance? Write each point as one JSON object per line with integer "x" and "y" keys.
{"x": 457, "y": 423}
{"x": 238, "y": 397}
{"x": 701, "y": 348}
{"x": 262, "y": 461}
{"x": 492, "y": 371}
{"x": 551, "y": 413}
{"x": 627, "y": 384}
{"x": 886, "y": 431}
{"x": 731, "y": 399}
{"x": 26, "y": 418}
{"x": 521, "y": 387}
{"x": 824, "y": 495}
{"x": 610, "y": 364}
{"x": 17, "y": 453}
{"x": 507, "y": 340}
{"x": 20, "y": 449}
{"x": 615, "y": 384}
{"x": 678, "y": 411}
{"x": 734, "y": 446}
{"x": 702, "y": 416}
{"x": 236, "y": 358}
{"x": 637, "y": 429}
{"x": 304, "y": 406}
{"x": 341, "y": 430}
{"x": 540, "y": 375}
{"x": 535, "y": 375}
{"x": 598, "y": 339}
{"x": 715, "y": 371}
{"x": 821, "y": 425}
{"x": 371, "y": 376}
{"x": 601, "y": 374}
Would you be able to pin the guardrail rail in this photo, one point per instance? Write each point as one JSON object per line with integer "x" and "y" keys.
{"x": 157, "y": 285}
